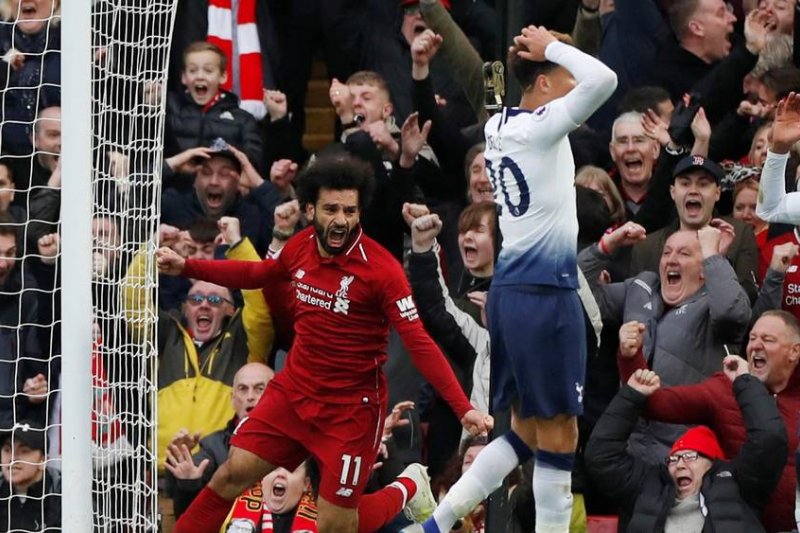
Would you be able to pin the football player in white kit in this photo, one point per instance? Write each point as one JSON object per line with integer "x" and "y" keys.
{"x": 535, "y": 316}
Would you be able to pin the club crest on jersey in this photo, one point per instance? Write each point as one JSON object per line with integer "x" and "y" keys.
{"x": 540, "y": 113}
{"x": 342, "y": 304}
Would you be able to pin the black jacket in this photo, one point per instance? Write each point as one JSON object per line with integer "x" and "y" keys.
{"x": 21, "y": 354}
{"x": 39, "y": 511}
{"x": 255, "y": 212}
{"x": 719, "y": 85}
{"x": 188, "y": 125}
{"x": 733, "y": 492}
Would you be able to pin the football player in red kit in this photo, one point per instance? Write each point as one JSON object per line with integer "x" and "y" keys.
{"x": 330, "y": 399}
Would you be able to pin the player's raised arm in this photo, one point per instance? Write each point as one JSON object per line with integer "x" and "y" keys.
{"x": 228, "y": 273}
{"x": 594, "y": 81}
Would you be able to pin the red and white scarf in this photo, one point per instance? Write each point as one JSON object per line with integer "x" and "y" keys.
{"x": 220, "y": 33}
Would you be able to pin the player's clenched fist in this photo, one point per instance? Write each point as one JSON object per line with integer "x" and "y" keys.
{"x": 477, "y": 423}
{"x": 631, "y": 338}
{"x": 169, "y": 262}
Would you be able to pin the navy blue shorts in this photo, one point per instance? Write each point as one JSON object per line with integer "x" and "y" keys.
{"x": 538, "y": 341}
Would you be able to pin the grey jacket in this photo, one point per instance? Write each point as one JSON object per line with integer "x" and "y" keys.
{"x": 684, "y": 344}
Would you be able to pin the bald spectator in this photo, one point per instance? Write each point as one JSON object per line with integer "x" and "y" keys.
{"x": 199, "y": 352}
{"x": 190, "y": 473}
{"x": 695, "y": 190}
{"x": 691, "y": 306}
{"x": 40, "y": 169}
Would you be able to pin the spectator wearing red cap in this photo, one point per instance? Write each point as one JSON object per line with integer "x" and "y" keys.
{"x": 696, "y": 489}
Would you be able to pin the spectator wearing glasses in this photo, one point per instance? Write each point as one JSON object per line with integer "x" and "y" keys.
{"x": 697, "y": 488}
{"x": 199, "y": 352}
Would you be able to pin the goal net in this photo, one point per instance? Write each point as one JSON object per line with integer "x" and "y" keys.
{"x": 129, "y": 61}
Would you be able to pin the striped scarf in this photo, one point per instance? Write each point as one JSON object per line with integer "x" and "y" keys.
{"x": 249, "y": 511}
{"x": 220, "y": 33}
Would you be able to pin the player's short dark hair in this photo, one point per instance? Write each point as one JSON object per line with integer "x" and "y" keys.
{"x": 337, "y": 169}
{"x": 205, "y": 46}
{"x": 781, "y": 81}
{"x": 471, "y": 216}
{"x": 203, "y": 229}
{"x": 527, "y": 71}
{"x": 640, "y": 99}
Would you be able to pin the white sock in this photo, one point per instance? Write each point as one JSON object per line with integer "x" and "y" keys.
{"x": 552, "y": 491}
{"x": 485, "y": 476}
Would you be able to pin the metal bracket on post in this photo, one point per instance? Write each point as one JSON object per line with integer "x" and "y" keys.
{"x": 495, "y": 85}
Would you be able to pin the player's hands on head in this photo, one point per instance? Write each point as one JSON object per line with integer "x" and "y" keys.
{"x": 532, "y": 42}
{"x": 631, "y": 339}
{"x": 644, "y": 381}
{"x": 424, "y": 231}
{"x": 477, "y": 423}
{"x": 734, "y": 366}
{"x": 627, "y": 234}
{"x": 169, "y": 262}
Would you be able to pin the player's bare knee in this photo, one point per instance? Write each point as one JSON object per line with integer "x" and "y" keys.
{"x": 525, "y": 428}
{"x": 239, "y": 472}
{"x": 335, "y": 519}
{"x": 558, "y": 434}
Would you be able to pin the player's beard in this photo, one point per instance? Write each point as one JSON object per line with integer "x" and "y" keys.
{"x": 323, "y": 235}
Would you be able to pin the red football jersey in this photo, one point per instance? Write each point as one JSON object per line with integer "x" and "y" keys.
{"x": 343, "y": 308}
{"x": 790, "y": 299}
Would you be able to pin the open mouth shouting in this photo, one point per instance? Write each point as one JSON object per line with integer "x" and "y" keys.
{"x": 336, "y": 237}
{"x": 693, "y": 208}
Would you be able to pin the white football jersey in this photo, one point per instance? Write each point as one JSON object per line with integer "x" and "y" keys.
{"x": 529, "y": 162}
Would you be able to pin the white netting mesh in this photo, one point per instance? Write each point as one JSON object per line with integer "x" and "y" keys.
{"x": 130, "y": 41}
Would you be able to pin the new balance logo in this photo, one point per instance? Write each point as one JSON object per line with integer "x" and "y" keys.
{"x": 300, "y": 273}
{"x": 341, "y": 305}
{"x": 407, "y": 308}
{"x": 344, "y": 492}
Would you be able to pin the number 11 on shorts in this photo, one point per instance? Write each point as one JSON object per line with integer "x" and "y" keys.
{"x": 347, "y": 461}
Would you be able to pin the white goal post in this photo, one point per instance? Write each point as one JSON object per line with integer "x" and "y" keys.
{"x": 114, "y": 59}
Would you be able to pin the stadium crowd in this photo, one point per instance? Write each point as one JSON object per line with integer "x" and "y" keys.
{"x": 680, "y": 268}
